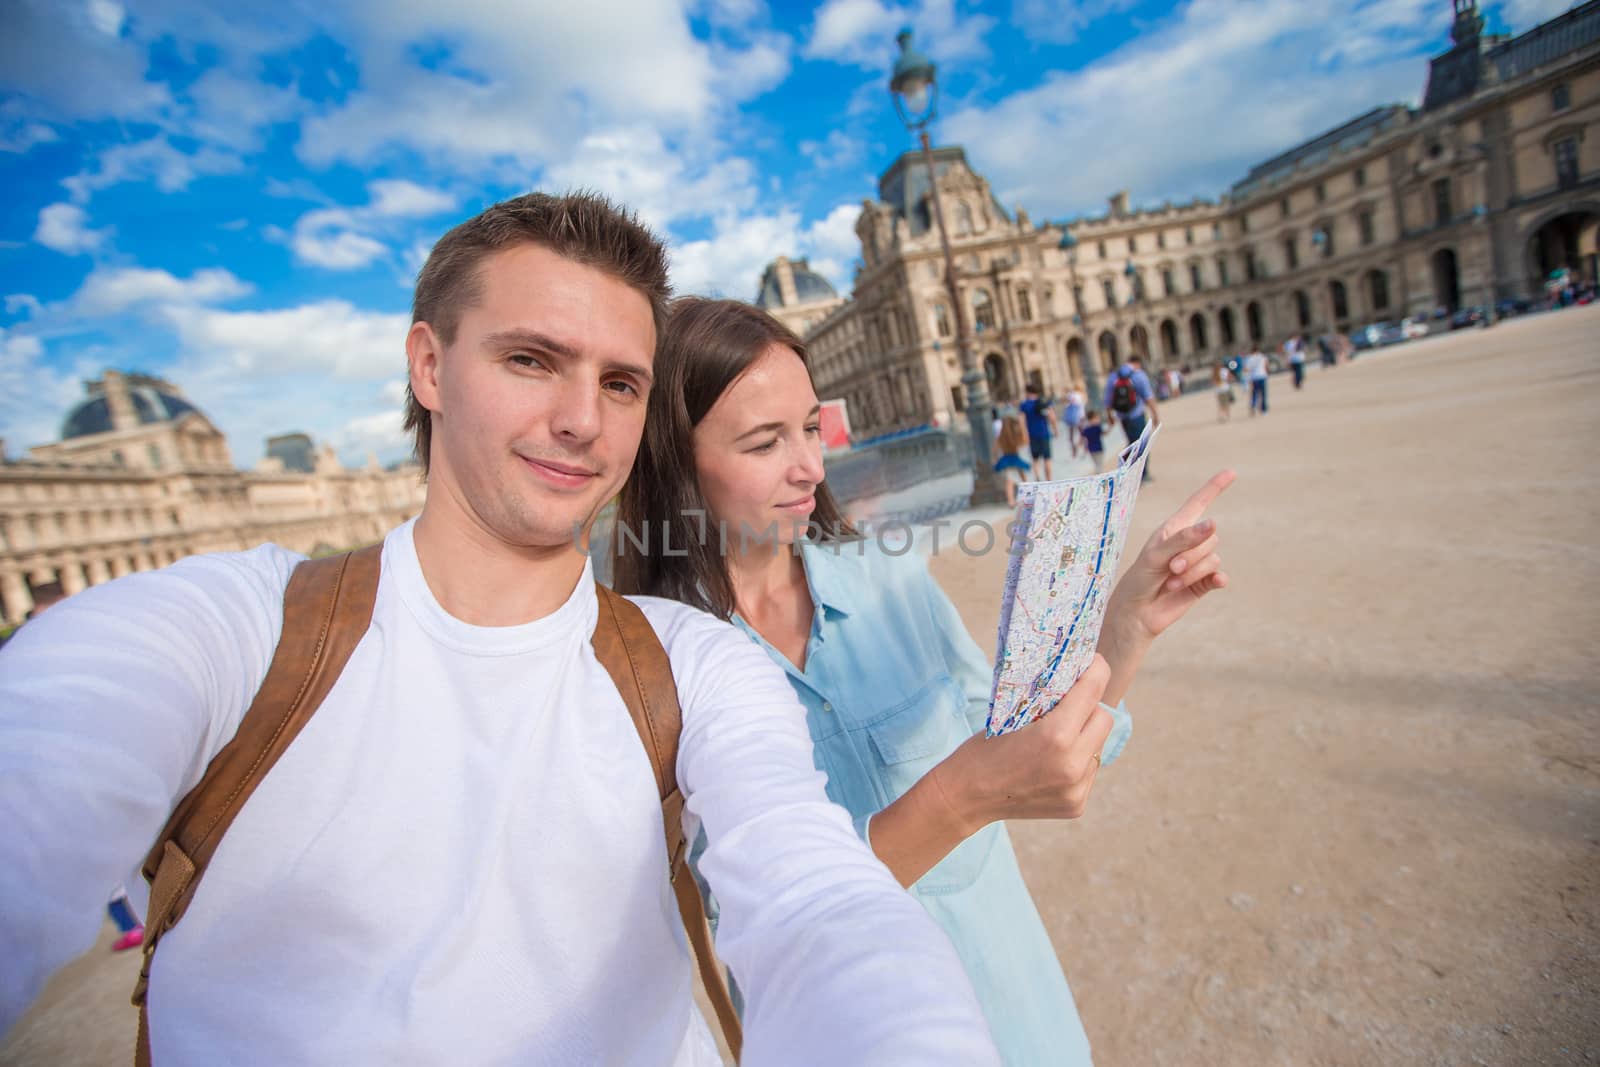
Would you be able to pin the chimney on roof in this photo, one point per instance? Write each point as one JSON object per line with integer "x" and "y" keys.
{"x": 1119, "y": 204}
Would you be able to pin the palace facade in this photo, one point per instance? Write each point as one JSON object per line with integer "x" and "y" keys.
{"x": 1473, "y": 198}
{"x": 141, "y": 478}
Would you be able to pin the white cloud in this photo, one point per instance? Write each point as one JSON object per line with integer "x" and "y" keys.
{"x": 1060, "y": 21}
{"x": 635, "y": 166}
{"x": 519, "y": 89}
{"x": 321, "y": 239}
{"x": 730, "y": 262}
{"x": 61, "y": 60}
{"x": 393, "y": 392}
{"x": 33, "y": 394}
{"x": 752, "y": 67}
{"x": 65, "y": 228}
{"x": 154, "y": 160}
{"x": 346, "y": 238}
{"x": 837, "y": 152}
{"x": 398, "y": 198}
{"x": 381, "y": 433}
{"x": 19, "y": 137}
{"x": 107, "y": 17}
{"x": 1224, "y": 103}
{"x": 331, "y": 338}
{"x": 232, "y": 109}
{"x": 862, "y": 33}
{"x": 111, "y": 291}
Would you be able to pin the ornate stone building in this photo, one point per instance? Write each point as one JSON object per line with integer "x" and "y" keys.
{"x": 796, "y": 295}
{"x": 1475, "y": 197}
{"x": 141, "y": 478}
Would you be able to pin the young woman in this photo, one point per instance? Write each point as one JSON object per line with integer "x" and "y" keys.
{"x": 1222, "y": 385}
{"x": 896, "y": 691}
{"x": 1011, "y": 466}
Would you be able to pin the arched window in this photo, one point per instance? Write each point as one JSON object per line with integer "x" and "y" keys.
{"x": 941, "y": 320}
{"x": 1341, "y": 302}
{"x": 1024, "y": 306}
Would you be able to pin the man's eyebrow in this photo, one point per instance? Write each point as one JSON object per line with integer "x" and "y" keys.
{"x": 768, "y": 427}
{"x": 525, "y": 338}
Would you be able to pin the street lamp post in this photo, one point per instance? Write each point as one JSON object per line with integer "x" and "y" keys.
{"x": 1086, "y": 356}
{"x": 916, "y": 93}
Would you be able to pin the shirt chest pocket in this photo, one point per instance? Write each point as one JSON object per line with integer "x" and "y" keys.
{"x": 908, "y": 741}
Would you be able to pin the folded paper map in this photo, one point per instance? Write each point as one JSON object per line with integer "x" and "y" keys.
{"x": 1068, "y": 539}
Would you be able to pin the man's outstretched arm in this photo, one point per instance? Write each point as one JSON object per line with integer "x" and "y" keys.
{"x": 111, "y": 705}
{"x": 837, "y": 963}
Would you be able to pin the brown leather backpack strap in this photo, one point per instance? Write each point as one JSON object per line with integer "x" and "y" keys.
{"x": 628, "y": 648}
{"x": 326, "y": 610}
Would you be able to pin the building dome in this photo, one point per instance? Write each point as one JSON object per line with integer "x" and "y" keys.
{"x": 150, "y": 400}
{"x": 808, "y": 285}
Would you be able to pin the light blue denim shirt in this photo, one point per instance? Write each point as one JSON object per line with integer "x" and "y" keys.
{"x": 892, "y": 684}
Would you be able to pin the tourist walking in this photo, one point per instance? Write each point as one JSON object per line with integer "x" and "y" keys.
{"x": 1094, "y": 439}
{"x": 1130, "y": 398}
{"x": 1222, "y": 385}
{"x": 896, "y": 690}
{"x": 1295, "y": 349}
{"x": 476, "y": 765}
{"x": 1036, "y": 410}
{"x": 1011, "y": 466}
{"x": 1255, "y": 372}
{"x": 1072, "y": 415}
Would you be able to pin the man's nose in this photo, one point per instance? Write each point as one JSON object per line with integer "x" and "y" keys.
{"x": 577, "y": 411}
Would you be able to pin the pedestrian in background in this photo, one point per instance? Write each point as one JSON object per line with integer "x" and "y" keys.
{"x": 1094, "y": 438}
{"x": 1255, "y": 371}
{"x": 1130, "y": 398}
{"x": 1011, "y": 465}
{"x": 1222, "y": 384}
{"x": 1295, "y": 349}
{"x": 1072, "y": 416}
{"x": 1036, "y": 410}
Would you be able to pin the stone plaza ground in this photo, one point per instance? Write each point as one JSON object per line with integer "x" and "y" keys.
{"x": 1359, "y": 821}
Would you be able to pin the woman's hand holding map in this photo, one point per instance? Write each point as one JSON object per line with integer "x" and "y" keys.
{"x": 1045, "y": 772}
{"x": 1178, "y": 565}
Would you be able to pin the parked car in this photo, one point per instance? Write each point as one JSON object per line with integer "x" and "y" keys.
{"x": 1513, "y": 306}
{"x": 1466, "y": 317}
{"x": 1413, "y": 328}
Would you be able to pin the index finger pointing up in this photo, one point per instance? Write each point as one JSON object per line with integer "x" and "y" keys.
{"x": 1196, "y": 505}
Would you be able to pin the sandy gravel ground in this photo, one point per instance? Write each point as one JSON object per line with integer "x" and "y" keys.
{"x": 1359, "y": 817}
{"x": 1359, "y": 822}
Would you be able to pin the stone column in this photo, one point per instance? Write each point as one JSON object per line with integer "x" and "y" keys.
{"x": 72, "y": 578}
{"x": 99, "y": 574}
{"x": 119, "y": 566}
{"x": 15, "y": 601}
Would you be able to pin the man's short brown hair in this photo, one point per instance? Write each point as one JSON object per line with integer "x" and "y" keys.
{"x": 584, "y": 227}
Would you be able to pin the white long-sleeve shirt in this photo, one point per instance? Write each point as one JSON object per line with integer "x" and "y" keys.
{"x": 460, "y": 860}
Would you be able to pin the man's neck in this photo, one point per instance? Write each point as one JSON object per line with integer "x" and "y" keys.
{"x": 481, "y": 580}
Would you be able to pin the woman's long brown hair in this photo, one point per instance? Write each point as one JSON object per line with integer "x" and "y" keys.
{"x": 705, "y": 347}
{"x": 1012, "y": 435}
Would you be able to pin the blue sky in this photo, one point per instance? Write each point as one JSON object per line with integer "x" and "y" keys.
{"x": 238, "y": 195}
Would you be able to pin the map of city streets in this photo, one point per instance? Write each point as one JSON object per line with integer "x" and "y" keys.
{"x": 1058, "y": 580}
